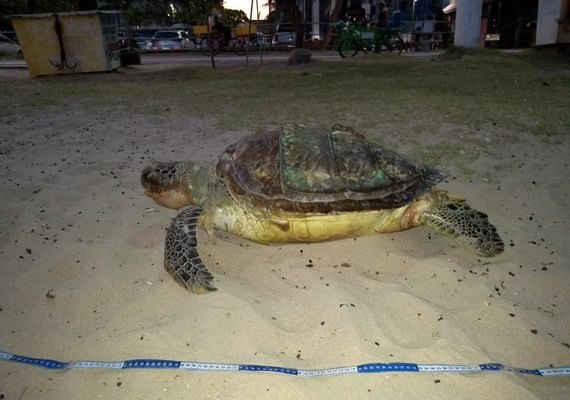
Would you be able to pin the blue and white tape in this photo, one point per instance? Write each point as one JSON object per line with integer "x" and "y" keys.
{"x": 373, "y": 368}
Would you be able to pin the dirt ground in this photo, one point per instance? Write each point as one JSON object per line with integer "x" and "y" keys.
{"x": 83, "y": 278}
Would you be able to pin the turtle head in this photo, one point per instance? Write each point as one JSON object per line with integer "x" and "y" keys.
{"x": 172, "y": 184}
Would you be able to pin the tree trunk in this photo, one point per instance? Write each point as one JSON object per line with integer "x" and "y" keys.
{"x": 295, "y": 15}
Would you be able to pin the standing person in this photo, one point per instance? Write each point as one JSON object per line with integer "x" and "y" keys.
{"x": 216, "y": 21}
{"x": 383, "y": 15}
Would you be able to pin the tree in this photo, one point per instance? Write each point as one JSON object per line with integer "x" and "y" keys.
{"x": 294, "y": 15}
{"x": 272, "y": 10}
{"x": 12, "y": 7}
{"x": 234, "y": 17}
{"x": 136, "y": 12}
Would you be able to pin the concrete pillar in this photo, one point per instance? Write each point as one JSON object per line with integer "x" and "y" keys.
{"x": 316, "y": 28}
{"x": 549, "y": 12}
{"x": 468, "y": 23}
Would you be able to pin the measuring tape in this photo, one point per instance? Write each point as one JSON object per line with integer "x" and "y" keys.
{"x": 372, "y": 368}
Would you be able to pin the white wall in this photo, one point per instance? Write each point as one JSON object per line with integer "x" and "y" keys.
{"x": 546, "y": 25}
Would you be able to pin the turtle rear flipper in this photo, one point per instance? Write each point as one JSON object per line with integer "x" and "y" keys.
{"x": 468, "y": 227}
{"x": 181, "y": 258}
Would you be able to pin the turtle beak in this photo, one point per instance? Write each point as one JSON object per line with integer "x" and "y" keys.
{"x": 147, "y": 181}
{"x": 160, "y": 176}
{"x": 161, "y": 183}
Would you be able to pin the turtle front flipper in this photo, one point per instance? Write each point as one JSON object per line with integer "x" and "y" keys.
{"x": 468, "y": 227}
{"x": 181, "y": 258}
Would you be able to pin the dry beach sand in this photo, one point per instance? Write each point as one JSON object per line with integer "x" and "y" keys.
{"x": 82, "y": 278}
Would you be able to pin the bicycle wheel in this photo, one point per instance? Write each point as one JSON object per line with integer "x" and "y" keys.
{"x": 396, "y": 43}
{"x": 210, "y": 45}
{"x": 390, "y": 42}
{"x": 239, "y": 46}
{"x": 347, "y": 47}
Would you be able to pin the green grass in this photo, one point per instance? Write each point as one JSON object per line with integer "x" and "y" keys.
{"x": 520, "y": 91}
{"x": 447, "y": 111}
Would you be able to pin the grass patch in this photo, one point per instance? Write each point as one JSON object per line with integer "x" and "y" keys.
{"x": 470, "y": 88}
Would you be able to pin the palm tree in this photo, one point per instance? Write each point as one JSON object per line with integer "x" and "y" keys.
{"x": 292, "y": 13}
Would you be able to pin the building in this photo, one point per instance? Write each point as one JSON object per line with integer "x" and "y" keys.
{"x": 519, "y": 23}
{"x": 424, "y": 14}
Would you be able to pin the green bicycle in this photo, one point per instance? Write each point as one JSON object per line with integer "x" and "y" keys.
{"x": 358, "y": 37}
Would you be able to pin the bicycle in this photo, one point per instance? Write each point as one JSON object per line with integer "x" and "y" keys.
{"x": 237, "y": 44}
{"x": 359, "y": 37}
{"x": 212, "y": 43}
{"x": 389, "y": 39}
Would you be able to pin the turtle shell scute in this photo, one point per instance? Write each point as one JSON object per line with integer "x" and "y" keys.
{"x": 304, "y": 170}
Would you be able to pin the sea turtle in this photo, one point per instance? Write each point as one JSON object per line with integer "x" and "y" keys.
{"x": 305, "y": 185}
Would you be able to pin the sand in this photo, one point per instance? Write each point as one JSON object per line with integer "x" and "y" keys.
{"x": 82, "y": 276}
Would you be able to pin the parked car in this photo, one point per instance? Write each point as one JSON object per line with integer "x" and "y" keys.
{"x": 143, "y": 38}
{"x": 284, "y": 35}
{"x": 143, "y": 44}
{"x": 171, "y": 41}
{"x": 8, "y": 46}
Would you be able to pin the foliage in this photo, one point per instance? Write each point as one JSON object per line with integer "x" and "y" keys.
{"x": 156, "y": 12}
{"x": 137, "y": 13}
{"x": 527, "y": 91}
{"x": 8, "y": 7}
{"x": 168, "y": 12}
{"x": 11, "y": 7}
{"x": 233, "y": 17}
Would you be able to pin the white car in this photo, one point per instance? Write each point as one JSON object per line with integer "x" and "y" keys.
{"x": 8, "y": 46}
{"x": 171, "y": 41}
{"x": 284, "y": 35}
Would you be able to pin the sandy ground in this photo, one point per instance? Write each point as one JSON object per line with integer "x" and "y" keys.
{"x": 82, "y": 276}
